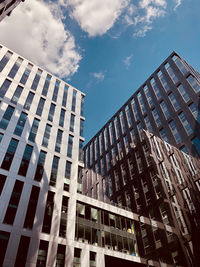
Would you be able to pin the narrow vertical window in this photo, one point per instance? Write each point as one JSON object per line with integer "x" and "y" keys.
{"x": 148, "y": 124}
{"x": 171, "y": 73}
{"x": 185, "y": 123}
{"x": 22, "y": 251}
{"x": 40, "y": 107}
{"x": 17, "y": 94}
{"x": 141, "y": 102}
{"x": 5, "y": 60}
{"x": 123, "y": 124}
{"x": 80, "y": 157}
{"x": 26, "y": 73}
{"x": 196, "y": 143}
{"x": 175, "y": 132}
{"x": 15, "y": 68}
{"x": 29, "y": 101}
{"x": 71, "y": 126}
{"x": 155, "y": 88}
{"x": 63, "y": 219}
{"x": 165, "y": 109}
{"x": 36, "y": 79}
{"x": 4, "y": 238}
{"x": 8, "y": 158}
{"x": 42, "y": 253}
{"x": 40, "y": 166}
{"x": 51, "y": 112}
{"x": 180, "y": 64}
{"x": 163, "y": 81}
{"x": 46, "y": 85}
{"x": 13, "y": 203}
{"x": 54, "y": 171}
{"x": 195, "y": 112}
{"x": 20, "y": 124}
{"x": 163, "y": 135}
{"x": 32, "y": 205}
{"x": 70, "y": 146}
{"x": 135, "y": 110}
{"x": 174, "y": 101}
{"x": 58, "y": 140}
{"x": 33, "y": 130}
{"x": 60, "y": 256}
{"x": 2, "y": 182}
{"x": 148, "y": 96}
{"x": 156, "y": 117}
{"x": 128, "y": 116}
{"x": 6, "y": 84}
{"x": 183, "y": 93}
{"x": 82, "y": 105}
{"x": 193, "y": 83}
{"x": 6, "y": 117}
{"x": 46, "y": 137}
{"x": 25, "y": 160}
{"x": 64, "y": 100}
{"x": 74, "y": 100}
{"x": 62, "y": 118}
{"x": 68, "y": 167}
{"x": 81, "y": 127}
{"x": 1, "y": 136}
{"x": 46, "y": 228}
{"x": 55, "y": 92}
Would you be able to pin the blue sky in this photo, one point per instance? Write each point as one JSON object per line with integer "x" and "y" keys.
{"x": 106, "y": 48}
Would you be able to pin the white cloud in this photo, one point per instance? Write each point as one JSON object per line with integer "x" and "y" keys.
{"x": 35, "y": 31}
{"x": 127, "y": 61}
{"x": 99, "y": 76}
{"x": 178, "y": 3}
{"x": 96, "y": 17}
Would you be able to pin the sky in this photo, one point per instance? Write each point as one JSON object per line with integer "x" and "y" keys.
{"x": 105, "y": 48}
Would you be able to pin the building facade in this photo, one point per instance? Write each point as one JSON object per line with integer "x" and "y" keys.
{"x": 122, "y": 165}
{"x": 6, "y": 7}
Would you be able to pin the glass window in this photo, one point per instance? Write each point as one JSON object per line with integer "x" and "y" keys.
{"x": 20, "y": 124}
{"x": 128, "y": 116}
{"x": 183, "y": 93}
{"x": 40, "y": 107}
{"x": 55, "y": 92}
{"x": 171, "y": 73}
{"x": 155, "y": 88}
{"x": 58, "y": 140}
{"x": 82, "y": 105}
{"x": 29, "y": 100}
{"x": 122, "y": 120}
{"x": 174, "y": 101}
{"x": 6, "y": 117}
{"x": 175, "y": 132}
{"x": 180, "y": 64}
{"x": 70, "y": 146}
{"x": 163, "y": 135}
{"x": 36, "y": 79}
{"x": 185, "y": 123}
{"x": 62, "y": 118}
{"x": 135, "y": 110}
{"x": 81, "y": 127}
{"x": 80, "y": 150}
{"x": 25, "y": 160}
{"x": 195, "y": 112}
{"x": 17, "y": 94}
{"x": 63, "y": 220}
{"x": 6, "y": 84}
{"x": 148, "y": 124}
{"x": 33, "y": 130}
{"x": 193, "y": 83}
{"x": 1, "y": 136}
{"x": 5, "y": 60}
{"x": 60, "y": 256}
{"x": 165, "y": 110}
{"x": 46, "y": 85}
{"x": 196, "y": 143}
{"x": 64, "y": 100}
{"x": 163, "y": 81}
{"x": 51, "y": 112}
{"x": 42, "y": 253}
{"x": 141, "y": 102}
{"x": 156, "y": 117}
{"x": 148, "y": 96}
{"x": 46, "y": 228}
{"x": 22, "y": 251}
{"x": 54, "y": 171}
{"x": 26, "y": 73}
{"x": 46, "y": 137}
{"x": 68, "y": 169}
{"x": 15, "y": 68}
{"x": 2, "y": 182}
{"x": 71, "y": 126}
{"x": 4, "y": 238}
{"x": 40, "y": 166}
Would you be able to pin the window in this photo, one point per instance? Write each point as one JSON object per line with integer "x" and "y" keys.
{"x": 70, "y": 146}
{"x": 46, "y": 137}
{"x": 117, "y": 131}
{"x": 40, "y": 166}
{"x": 60, "y": 256}
{"x": 1, "y": 136}
{"x": 42, "y": 253}
{"x": 54, "y": 171}
{"x": 195, "y": 112}
{"x": 81, "y": 127}
{"x": 22, "y": 251}
{"x": 193, "y": 83}
{"x": 92, "y": 259}
{"x": 82, "y": 105}
{"x": 5, "y": 60}
{"x": 55, "y": 92}
{"x": 29, "y": 100}
{"x": 6, "y": 84}
{"x": 51, "y": 112}
{"x": 183, "y": 93}
{"x": 15, "y": 68}
{"x": 171, "y": 73}
{"x": 20, "y": 124}
{"x": 185, "y": 123}
{"x": 58, "y": 140}
{"x": 156, "y": 117}
{"x": 63, "y": 220}
{"x": 175, "y": 132}
{"x": 148, "y": 96}
{"x": 180, "y": 64}
{"x": 40, "y": 107}
{"x": 80, "y": 150}
{"x": 6, "y": 117}
{"x": 64, "y": 100}
{"x": 4, "y": 238}
{"x": 165, "y": 109}
{"x": 155, "y": 88}
{"x": 163, "y": 135}
{"x": 46, "y": 228}
{"x": 13, "y": 203}
{"x": 36, "y": 79}
{"x": 33, "y": 130}
{"x": 26, "y": 73}
{"x": 46, "y": 85}
{"x": 8, "y": 158}
{"x": 196, "y": 143}
{"x": 163, "y": 81}
{"x": 62, "y": 118}
{"x": 148, "y": 124}
{"x": 141, "y": 102}
{"x": 122, "y": 120}
{"x": 71, "y": 126}
{"x": 2, "y": 182}
{"x": 25, "y": 160}
{"x": 174, "y": 101}
{"x": 128, "y": 116}
{"x": 135, "y": 110}
{"x": 74, "y": 100}
{"x": 17, "y": 94}
{"x": 68, "y": 169}
{"x": 32, "y": 205}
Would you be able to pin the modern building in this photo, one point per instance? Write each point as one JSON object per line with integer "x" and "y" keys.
{"x": 6, "y": 7}
{"x": 133, "y": 168}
